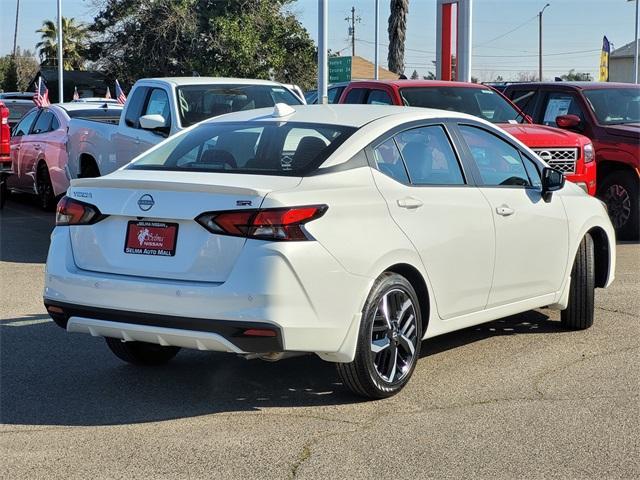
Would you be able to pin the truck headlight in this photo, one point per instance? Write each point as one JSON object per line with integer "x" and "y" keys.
{"x": 589, "y": 153}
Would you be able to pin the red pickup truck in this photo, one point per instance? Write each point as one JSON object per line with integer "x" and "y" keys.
{"x": 607, "y": 113}
{"x": 568, "y": 152}
{"x": 5, "y": 137}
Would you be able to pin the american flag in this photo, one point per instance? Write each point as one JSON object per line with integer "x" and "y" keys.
{"x": 108, "y": 94}
{"x": 76, "y": 95}
{"x": 41, "y": 98}
{"x": 120, "y": 94}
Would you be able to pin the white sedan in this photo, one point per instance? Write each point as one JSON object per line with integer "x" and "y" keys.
{"x": 349, "y": 231}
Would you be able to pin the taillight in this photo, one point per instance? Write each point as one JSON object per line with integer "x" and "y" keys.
{"x": 267, "y": 224}
{"x": 74, "y": 212}
{"x": 589, "y": 153}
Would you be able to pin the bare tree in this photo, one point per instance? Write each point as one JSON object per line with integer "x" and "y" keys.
{"x": 527, "y": 77}
{"x": 397, "y": 34}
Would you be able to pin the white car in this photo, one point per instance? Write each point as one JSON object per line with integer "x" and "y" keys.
{"x": 348, "y": 231}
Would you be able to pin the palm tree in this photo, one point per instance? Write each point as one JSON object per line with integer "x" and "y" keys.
{"x": 397, "y": 33}
{"x": 73, "y": 43}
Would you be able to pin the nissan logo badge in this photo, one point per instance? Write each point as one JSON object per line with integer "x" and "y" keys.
{"x": 545, "y": 155}
{"x": 146, "y": 202}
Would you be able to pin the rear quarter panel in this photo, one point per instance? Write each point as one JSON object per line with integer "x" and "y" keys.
{"x": 86, "y": 137}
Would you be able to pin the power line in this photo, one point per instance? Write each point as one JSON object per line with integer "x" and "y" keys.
{"x": 507, "y": 33}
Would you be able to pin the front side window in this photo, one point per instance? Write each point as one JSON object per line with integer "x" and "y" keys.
{"x": 355, "y": 95}
{"x": 268, "y": 148}
{"x": 389, "y": 161}
{"x": 25, "y": 124}
{"x": 498, "y": 162}
{"x": 43, "y": 124}
{"x": 429, "y": 156}
{"x": 135, "y": 104}
{"x": 158, "y": 104}
{"x": 379, "y": 97}
{"x": 561, "y": 103}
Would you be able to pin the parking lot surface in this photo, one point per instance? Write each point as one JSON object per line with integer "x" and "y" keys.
{"x": 515, "y": 398}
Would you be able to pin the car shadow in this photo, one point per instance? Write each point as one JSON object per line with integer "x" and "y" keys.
{"x": 49, "y": 377}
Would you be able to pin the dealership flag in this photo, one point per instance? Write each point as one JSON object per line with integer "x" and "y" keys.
{"x": 108, "y": 94}
{"x": 76, "y": 95}
{"x": 604, "y": 60}
{"x": 41, "y": 98}
{"x": 120, "y": 94}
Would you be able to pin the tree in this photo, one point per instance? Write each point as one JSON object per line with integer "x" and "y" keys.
{"x": 527, "y": 77}
{"x": 574, "y": 76}
{"x": 234, "y": 38}
{"x": 415, "y": 76}
{"x": 10, "y": 80}
{"x": 499, "y": 79}
{"x": 429, "y": 76}
{"x": 397, "y": 33}
{"x": 73, "y": 44}
{"x": 27, "y": 67}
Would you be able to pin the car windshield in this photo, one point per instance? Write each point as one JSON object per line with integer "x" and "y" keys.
{"x": 265, "y": 148}
{"x": 615, "y": 106}
{"x": 199, "y": 102}
{"x": 481, "y": 102}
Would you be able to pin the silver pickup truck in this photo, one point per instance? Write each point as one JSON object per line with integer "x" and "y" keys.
{"x": 157, "y": 108}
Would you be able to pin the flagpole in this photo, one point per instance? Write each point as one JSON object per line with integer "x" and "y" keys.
{"x": 60, "y": 55}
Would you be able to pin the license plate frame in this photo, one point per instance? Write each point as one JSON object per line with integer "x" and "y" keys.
{"x": 160, "y": 238}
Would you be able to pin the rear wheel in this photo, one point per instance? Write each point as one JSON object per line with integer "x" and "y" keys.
{"x": 579, "y": 313}
{"x": 141, "y": 353}
{"x": 389, "y": 340}
{"x": 46, "y": 197}
{"x": 619, "y": 191}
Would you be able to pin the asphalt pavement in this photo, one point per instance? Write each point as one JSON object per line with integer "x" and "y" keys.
{"x": 515, "y": 398}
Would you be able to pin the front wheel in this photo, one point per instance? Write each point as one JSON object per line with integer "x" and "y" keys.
{"x": 141, "y": 353}
{"x": 389, "y": 340}
{"x": 620, "y": 191}
{"x": 579, "y": 313}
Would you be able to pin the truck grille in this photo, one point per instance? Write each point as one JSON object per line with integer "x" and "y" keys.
{"x": 563, "y": 159}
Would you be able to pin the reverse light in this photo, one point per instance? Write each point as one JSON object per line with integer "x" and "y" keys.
{"x": 589, "y": 153}
{"x": 284, "y": 224}
{"x": 74, "y": 212}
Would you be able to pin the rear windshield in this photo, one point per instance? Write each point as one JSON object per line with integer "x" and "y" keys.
{"x": 481, "y": 102}
{"x": 96, "y": 113}
{"x": 264, "y": 148}
{"x": 17, "y": 110}
{"x": 199, "y": 102}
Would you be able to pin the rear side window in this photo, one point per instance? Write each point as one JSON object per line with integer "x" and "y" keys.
{"x": 355, "y": 95}
{"x": 499, "y": 163}
{"x": 267, "y": 148}
{"x": 379, "y": 97}
{"x": 389, "y": 161}
{"x": 429, "y": 157}
{"x": 333, "y": 94}
{"x": 43, "y": 124}
{"x": 134, "y": 107}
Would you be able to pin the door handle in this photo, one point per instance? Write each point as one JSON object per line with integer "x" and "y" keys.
{"x": 505, "y": 210}
{"x": 36, "y": 146}
{"x": 137, "y": 140}
{"x": 409, "y": 202}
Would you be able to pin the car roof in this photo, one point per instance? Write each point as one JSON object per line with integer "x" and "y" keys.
{"x": 577, "y": 85}
{"x": 73, "y": 106}
{"x": 336, "y": 114}
{"x": 181, "y": 81}
{"x": 421, "y": 83}
{"x": 27, "y": 96}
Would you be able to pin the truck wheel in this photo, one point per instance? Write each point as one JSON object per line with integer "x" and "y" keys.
{"x": 89, "y": 169}
{"x": 579, "y": 313}
{"x": 619, "y": 191}
{"x": 389, "y": 340}
{"x": 46, "y": 198}
{"x": 141, "y": 353}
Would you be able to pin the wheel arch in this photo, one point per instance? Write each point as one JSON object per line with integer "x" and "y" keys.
{"x": 419, "y": 284}
{"x": 84, "y": 160}
{"x": 602, "y": 255}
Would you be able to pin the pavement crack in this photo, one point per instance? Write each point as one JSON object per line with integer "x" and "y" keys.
{"x": 616, "y": 310}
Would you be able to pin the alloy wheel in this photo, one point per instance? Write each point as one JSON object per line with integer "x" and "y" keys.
{"x": 618, "y": 204}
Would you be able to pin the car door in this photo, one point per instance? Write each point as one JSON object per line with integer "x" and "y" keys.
{"x": 442, "y": 213}
{"x": 131, "y": 140}
{"x": 22, "y": 151}
{"x": 531, "y": 233}
{"x": 39, "y": 145}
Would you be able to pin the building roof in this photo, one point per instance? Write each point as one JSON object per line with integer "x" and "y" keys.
{"x": 362, "y": 68}
{"x": 626, "y": 51}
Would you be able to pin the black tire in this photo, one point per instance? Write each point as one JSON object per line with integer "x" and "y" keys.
{"x": 4, "y": 191}
{"x": 89, "y": 168}
{"x": 141, "y": 353}
{"x": 46, "y": 197}
{"x": 580, "y": 311}
{"x": 619, "y": 190}
{"x": 363, "y": 376}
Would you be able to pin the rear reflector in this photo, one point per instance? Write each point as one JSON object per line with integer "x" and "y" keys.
{"x": 268, "y": 224}
{"x": 74, "y": 212}
{"x": 259, "y": 332}
{"x": 53, "y": 309}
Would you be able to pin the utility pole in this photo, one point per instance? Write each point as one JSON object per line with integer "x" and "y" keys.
{"x": 376, "y": 61}
{"x": 323, "y": 60}
{"x": 60, "y": 55}
{"x": 352, "y": 29}
{"x": 540, "y": 41}
{"x": 15, "y": 32}
{"x": 635, "y": 50}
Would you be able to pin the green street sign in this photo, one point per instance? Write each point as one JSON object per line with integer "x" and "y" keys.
{"x": 339, "y": 69}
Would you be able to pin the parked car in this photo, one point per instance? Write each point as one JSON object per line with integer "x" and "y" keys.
{"x": 39, "y": 147}
{"x": 18, "y": 103}
{"x": 352, "y": 232}
{"x": 334, "y": 91}
{"x": 607, "y": 113}
{"x": 159, "y": 107}
{"x": 5, "y": 137}
{"x": 569, "y": 152}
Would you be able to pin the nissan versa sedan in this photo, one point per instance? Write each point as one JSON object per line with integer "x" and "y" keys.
{"x": 348, "y": 231}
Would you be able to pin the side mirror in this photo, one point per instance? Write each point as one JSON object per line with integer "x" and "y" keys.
{"x": 552, "y": 180}
{"x": 152, "y": 122}
{"x": 568, "y": 121}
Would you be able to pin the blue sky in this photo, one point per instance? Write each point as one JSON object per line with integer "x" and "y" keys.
{"x": 573, "y": 31}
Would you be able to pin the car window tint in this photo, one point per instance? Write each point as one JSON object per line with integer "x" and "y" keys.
{"x": 525, "y": 100}
{"x": 25, "y": 124}
{"x": 389, "y": 161}
{"x": 43, "y": 124}
{"x": 158, "y": 104}
{"x": 560, "y": 103}
{"x": 499, "y": 163}
{"x": 379, "y": 97}
{"x": 135, "y": 102}
{"x": 333, "y": 94}
{"x": 355, "y": 95}
{"x": 55, "y": 124}
{"x": 429, "y": 157}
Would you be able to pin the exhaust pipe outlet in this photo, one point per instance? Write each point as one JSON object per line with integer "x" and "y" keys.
{"x": 272, "y": 356}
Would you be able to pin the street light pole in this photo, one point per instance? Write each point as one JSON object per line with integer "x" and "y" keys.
{"x": 376, "y": 61}
{"x": 60, "y": 55}
{"x": 635, "y": 50}
{"x": 323, "y": 60}
{"x": 540, "y": 41}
